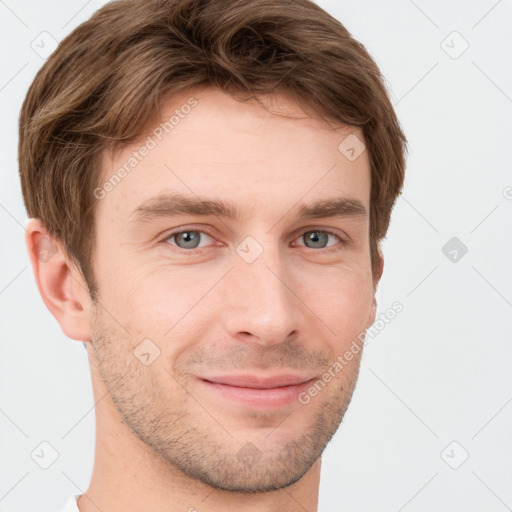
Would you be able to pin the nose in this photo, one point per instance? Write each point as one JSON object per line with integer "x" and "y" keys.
{"x": 260, "y": 304}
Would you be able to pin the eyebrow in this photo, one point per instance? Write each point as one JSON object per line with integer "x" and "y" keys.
{"x": 169, "y": 205}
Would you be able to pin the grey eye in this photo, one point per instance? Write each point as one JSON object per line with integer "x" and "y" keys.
{"x": 187, "y": 239}
{"x": 315, "y": 239}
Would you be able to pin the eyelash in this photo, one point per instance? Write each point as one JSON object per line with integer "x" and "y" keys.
{"x": 196, "y": 251}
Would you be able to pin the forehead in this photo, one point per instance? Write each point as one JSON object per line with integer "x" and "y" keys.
{"x": 209, "y": 144}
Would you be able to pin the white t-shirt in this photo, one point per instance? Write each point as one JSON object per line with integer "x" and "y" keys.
{"x": 71, "y": 505}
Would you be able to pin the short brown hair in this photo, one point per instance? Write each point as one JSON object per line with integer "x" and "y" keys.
{"x": 104, "y": 82}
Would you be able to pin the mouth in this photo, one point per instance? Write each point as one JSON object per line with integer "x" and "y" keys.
{"x": 256, "y": 391}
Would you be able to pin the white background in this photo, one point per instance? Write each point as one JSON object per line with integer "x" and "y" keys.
{"x": 439, "y": 372}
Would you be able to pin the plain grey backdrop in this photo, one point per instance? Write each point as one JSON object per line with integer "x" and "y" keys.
{"x": 429, "y": 424}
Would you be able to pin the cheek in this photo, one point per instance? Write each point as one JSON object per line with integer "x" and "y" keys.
{"x": 341, "y": 299}
{"x": 162, "y": 302}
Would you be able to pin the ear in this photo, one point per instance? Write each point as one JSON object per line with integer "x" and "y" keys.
{"x": 60, "y": 284}
{"x": 376, "y": 278}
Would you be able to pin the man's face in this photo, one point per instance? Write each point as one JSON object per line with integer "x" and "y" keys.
{"x": 203, "y": 319}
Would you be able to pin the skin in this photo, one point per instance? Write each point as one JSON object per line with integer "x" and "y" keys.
{"x": 160, "y": 434}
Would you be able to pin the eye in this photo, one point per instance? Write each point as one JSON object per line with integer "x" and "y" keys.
{"x": 189, "y": 239}
{"x": 193, "y": 240}
{"x": 319, "y": 239}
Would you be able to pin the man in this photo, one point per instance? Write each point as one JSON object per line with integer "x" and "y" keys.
{"x": 208, "y": 183}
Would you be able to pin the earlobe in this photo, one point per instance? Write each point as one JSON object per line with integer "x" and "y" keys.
{"x": 59, "y": 283}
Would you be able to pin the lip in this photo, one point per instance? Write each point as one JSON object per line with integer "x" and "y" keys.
{"x": 256, "y": 391}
